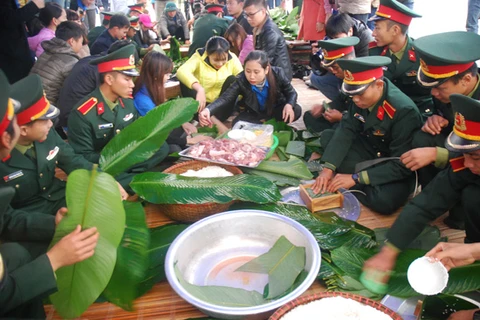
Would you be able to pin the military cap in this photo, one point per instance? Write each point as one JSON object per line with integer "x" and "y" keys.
{"x": 8, "y": 106}
{"x": 445, "y": 55}
{"x": 214, "y": 8}
{"x": 395, "y": 11}
{"x": 34, "y": 103}
{"x": 137, "y": 7}
{"x": 121, "y": 60}
{"x": 337, "y": 48}
{"x": 359, "y": 73}
{"x": 107, "y": 15}
{"x": 134, "y": 23}
{"x": 465, "y": 136}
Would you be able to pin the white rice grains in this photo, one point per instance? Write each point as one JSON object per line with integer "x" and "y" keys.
{"x": 208, "y": 172}
{"x": 335, "y": 308}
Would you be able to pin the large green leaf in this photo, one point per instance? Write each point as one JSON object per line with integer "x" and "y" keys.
{"x": 441, "y": 306}
{"x": 160, "y": 240}
{"x": 351, "y": 261}
{"x": 283, "y": 263}
{"x": 132, "y": 259}
{"x": 279, "y": 179}
{"x": 141, "y": 139}
{"x": 93, "y": 200}
{"x": 294, "y": 167}
{"x": 157, "y": 187}
{"x": 222, "y": 296}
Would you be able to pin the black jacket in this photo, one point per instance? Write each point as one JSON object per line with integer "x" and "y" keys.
{"x": 285, "y": 93}
{"x": 271, "y": 41}
{"x": 361, "y": 31}
{"x": 103, "y": 42}
{"x": 82, "y": 80}
{"x": 16, "y": 59}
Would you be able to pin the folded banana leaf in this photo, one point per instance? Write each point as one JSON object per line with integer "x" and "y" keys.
{"x": 296, "y": 148}
{"x": 157, "y": 187}
{"x": 279, "y": 179}
{"x": 141, "y": 139}
{"x": 281, "y": 153}
{"x": 294, "y": 168}
{"x": 283, "y": 137}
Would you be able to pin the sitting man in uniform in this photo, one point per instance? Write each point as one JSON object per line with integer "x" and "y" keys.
{"x": 458, "y": 182}
{"x": 379, "y": 124}
{"x": 39, "y": 150}
{"x": 391, "y": 40}
{"x": 117, "y": 30}
{"x": 107, "y": 110}
{"x": 320, "y": 118}
{"x": 25, "y": 278}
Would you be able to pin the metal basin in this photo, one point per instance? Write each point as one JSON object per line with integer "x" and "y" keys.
{"x": 208, "y": 252}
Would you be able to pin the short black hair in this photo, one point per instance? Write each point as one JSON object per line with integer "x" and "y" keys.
{"x": 69, "y": 29}
{"x": 119, "y": 20}
{"x": 72, "y": 15}
{"x": 217, "y": 45}
{"x": 403, "y": 27}
{"x": 472, "y": 70}
{"x": 337, "y": 24}
{"x": 256, "y": 3}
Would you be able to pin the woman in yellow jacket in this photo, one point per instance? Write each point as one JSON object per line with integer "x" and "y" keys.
{"x": 209, "y": 72}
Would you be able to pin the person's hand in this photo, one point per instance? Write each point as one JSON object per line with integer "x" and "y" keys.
{"x": 39, "y": 3}
{"x": 462, "y": 315}
{"x": 165, "y": 41}
{"x": 380, "y": 265}
{"x": 320, "y": 26}
{"x": 418, "y": 158}
{"x": 74, "y": 247}
{"x": 150, "y": 48}
{"x": 62, "y": 212}
{"x": 168, "y": 37}
{"x": 455, "y": 254}
{"x": 315, "y": 48}
{"x": 201, "y": 98}
{"x": 187, "y": 41}
{"x": 341, "y": 181}
{"x": 123, "y": 193}
{"x": 322, "y": 181}
{"x": 434, "y": 124}
{"x": 189, "y": 128}
{"x": 332, "y": 115}
{"x": 197, "y": 139}
{"x": 204, "y": 118}
{"x": 288, "y": 115}
{"x": 316, "y": 110}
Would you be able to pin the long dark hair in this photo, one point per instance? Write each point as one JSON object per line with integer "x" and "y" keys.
{"x": 50, "y": 11}
{"x": 217, "y": 45}
{"x": 235, "y": 31}
{"x": 262, "y": 59}
{"x": 154, "y": 67}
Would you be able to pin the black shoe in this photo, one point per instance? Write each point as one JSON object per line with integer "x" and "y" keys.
{"x": 454, "y": 224}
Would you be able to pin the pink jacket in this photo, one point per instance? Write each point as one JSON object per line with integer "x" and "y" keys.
{"x": 246, "y": 48}
{"x": 35, "y": 43}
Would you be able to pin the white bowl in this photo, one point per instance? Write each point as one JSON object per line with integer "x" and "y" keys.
{"x": 427, "y": 277}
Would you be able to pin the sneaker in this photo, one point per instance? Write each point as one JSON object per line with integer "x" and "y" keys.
{"x": 308, "y": 83}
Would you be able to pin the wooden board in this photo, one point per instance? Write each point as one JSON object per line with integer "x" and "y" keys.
{"x": 321, "y": 203}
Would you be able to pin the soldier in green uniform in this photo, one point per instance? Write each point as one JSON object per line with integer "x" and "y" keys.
{"x": 135, "y": 10}
{"x": 379, "y": 124}
{"x": 458, "y": 182}
{"x": 328, "y": 115}
{"x": 107, "y": 110}
{"x": 391, "y": 40}
{"x": 134, "y": 27}
{"x": 26, "y": 279}
{"x": 95, "y": 32}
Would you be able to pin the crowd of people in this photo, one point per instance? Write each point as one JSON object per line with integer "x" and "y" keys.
{"x": 403, "y": 113}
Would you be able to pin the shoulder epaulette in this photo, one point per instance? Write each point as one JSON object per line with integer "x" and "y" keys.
{"x": 389, "y": 109}
{"x": 87, "y": 105}
{"x": 372, "y": 44}
{"x": 458, "y": 164}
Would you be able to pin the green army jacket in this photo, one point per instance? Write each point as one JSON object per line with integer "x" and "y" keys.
{"x": 91, "y": 124}
{"x": 387, "y": 131}
{"x": 35, "y": 180}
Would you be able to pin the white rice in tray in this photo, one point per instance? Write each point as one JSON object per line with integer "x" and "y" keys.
{"x": 208, "y": 172}
{"x": 335, "y": 308}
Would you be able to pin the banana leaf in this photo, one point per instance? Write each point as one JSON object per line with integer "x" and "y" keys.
{"x": 294, "y": 168}
{"x": 157, "y": 187}
{"x": 279, "y": 125}
{"x": 132, "y": 259}
{"x": 160, "y": 240}
{"x": 174, "y": 53}
{"x": 222, "y": 296}
{"x": 283, "y": 263}
{"x": 279, "y": 179}
{"x": 140, "y": 140}
{"x": 441, "y": 306}
{"x": 281, "y": 153}
{"x": 93, "y": 200}
{"x": 283, "y": 137}
{"x": 296, "y": 148}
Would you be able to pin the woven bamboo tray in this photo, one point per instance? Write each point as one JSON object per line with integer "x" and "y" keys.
{"x": 317, "y": 296}
{"x": 195, "y": 212}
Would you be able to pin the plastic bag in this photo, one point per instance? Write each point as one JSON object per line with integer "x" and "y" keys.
{"x": 262, "y": 134}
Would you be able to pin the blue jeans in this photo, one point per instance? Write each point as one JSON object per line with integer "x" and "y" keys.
{"x": 473, "y": 14}
{"x": 327, "y": 84}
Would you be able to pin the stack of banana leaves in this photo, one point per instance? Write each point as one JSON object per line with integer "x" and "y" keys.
{"x": 287, "y": 23}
